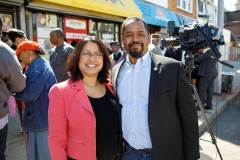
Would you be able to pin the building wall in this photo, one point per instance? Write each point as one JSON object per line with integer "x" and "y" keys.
{"x": 172, "y": 5}
{"x": 234, "y": 29}
{"x": 161, "y": 3}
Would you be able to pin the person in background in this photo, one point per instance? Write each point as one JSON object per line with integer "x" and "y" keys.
{"x": 107, "y": 46}
{"x": 170, "y": 52}
{"x": 5, "y": 38}
{"x": 154, "y": 47}
{"x": 40, "y": 78}
{"x": 208, "y": 72}
{"x": 83, "y": 117}
{"x": 117, "y": 55}
{"x": 158, "y": 113}
{"x": 179, "y": 54}
{"x": 59, "y": 54}
{"x": 11, "y": 80}
{"x": 16, "y": 36}
{"x": 74, "y": 43}
{"x": 47, "y": 45}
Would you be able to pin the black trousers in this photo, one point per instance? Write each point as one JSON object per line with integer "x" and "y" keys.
{"x": 3, "y": 142}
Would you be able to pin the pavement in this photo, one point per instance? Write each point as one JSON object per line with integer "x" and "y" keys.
{"x": 15, "y": 140}
{"x": 221, "y": 101}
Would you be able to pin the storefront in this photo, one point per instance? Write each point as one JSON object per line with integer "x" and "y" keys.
{"x": 79, "y": 18}
{"x": 11, "y": 12}
{"x": 156, "y": 17}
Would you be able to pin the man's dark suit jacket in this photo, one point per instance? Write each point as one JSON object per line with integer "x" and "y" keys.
{"x": 172, "y": 115}
{"x": 207, "y": 66}
{"x": 170, "y": 52}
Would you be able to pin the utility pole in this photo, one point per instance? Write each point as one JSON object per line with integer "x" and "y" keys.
{"x": 220, "y": 23}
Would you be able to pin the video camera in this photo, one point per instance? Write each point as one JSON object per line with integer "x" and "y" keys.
{"x": 195, "y": 36}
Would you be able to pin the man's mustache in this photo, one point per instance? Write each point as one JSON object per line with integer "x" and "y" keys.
{"x": 130, "y": 45}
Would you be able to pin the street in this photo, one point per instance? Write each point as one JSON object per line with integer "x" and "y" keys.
{"x": 227, "y": 133}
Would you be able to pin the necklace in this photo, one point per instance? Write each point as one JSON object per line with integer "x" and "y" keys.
{"x": 90, "y": 86}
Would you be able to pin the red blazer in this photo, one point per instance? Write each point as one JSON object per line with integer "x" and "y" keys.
{"x": 72, "y": 123}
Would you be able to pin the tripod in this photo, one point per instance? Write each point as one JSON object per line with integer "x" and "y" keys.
{"x": 189, "y": 64}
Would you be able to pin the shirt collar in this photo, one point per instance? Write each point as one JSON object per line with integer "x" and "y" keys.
{"x": 144, "y": 59}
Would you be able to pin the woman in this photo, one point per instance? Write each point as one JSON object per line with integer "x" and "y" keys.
{"x": 83, "y": 118}
{"x": 40, "y": 78}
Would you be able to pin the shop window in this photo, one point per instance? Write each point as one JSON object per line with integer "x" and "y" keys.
{"x": 7, "y": 19}
{"x": 107, "y": 31}
{"x": 185, "y": 5}
{"x": 42, "y": 24}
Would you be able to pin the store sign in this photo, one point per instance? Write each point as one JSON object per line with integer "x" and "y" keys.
{"x": 75, "y": 35}
{"x": 160, "y": 14}
{"x": 75, "y": 28}
{"x": 123, "y": 8}
{"x": 44, "y": 32}
{"x": 155, "y": 15}
{"x": 75, "y": 24}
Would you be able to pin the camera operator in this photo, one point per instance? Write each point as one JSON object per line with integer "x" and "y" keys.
{"x": 208, "y": 73}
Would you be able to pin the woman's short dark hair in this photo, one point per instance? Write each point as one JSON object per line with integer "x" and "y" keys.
{"x": 134, "y": 18}
{"x": 73, "y": 60}
{"x": 15, "y": 33}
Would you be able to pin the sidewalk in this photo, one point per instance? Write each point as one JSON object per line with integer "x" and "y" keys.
{"x": 16, "y": 145}
{"x": 221, "y": 101}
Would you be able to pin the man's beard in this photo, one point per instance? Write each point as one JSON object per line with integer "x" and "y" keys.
{"x": 135, "y": 54}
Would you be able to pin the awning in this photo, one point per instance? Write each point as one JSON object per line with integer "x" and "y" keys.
{"x": 124, "y": 8}
{"x": 184, "y": 20}
{"x": 156, "y": 15}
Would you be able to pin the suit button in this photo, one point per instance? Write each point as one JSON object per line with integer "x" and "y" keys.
{"x": 150, "y": 125}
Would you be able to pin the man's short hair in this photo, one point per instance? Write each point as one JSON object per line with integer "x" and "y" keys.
{"x": 59, "y": 31}
{"x": 14, "y": 33}
{"x": 134, "y": 18}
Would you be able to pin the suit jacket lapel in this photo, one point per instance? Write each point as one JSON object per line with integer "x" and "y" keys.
{"x": 156, "y": 69}
{"x": 115, "y": 72}
{"x": 81, "y": 96}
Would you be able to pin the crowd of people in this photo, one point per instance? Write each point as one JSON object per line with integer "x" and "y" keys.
{"x": 105, "y": 101}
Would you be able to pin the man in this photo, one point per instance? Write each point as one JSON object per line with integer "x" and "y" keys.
{"x": 154, "y": 47}
{"x": 208, "y": 72}
{"x": 59, "y": 54}
{"x": 11, "y": 79}
{"x": 159, "y": 117}
{"x": 117, "y": 55}
{"x": 17, "y": 37}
